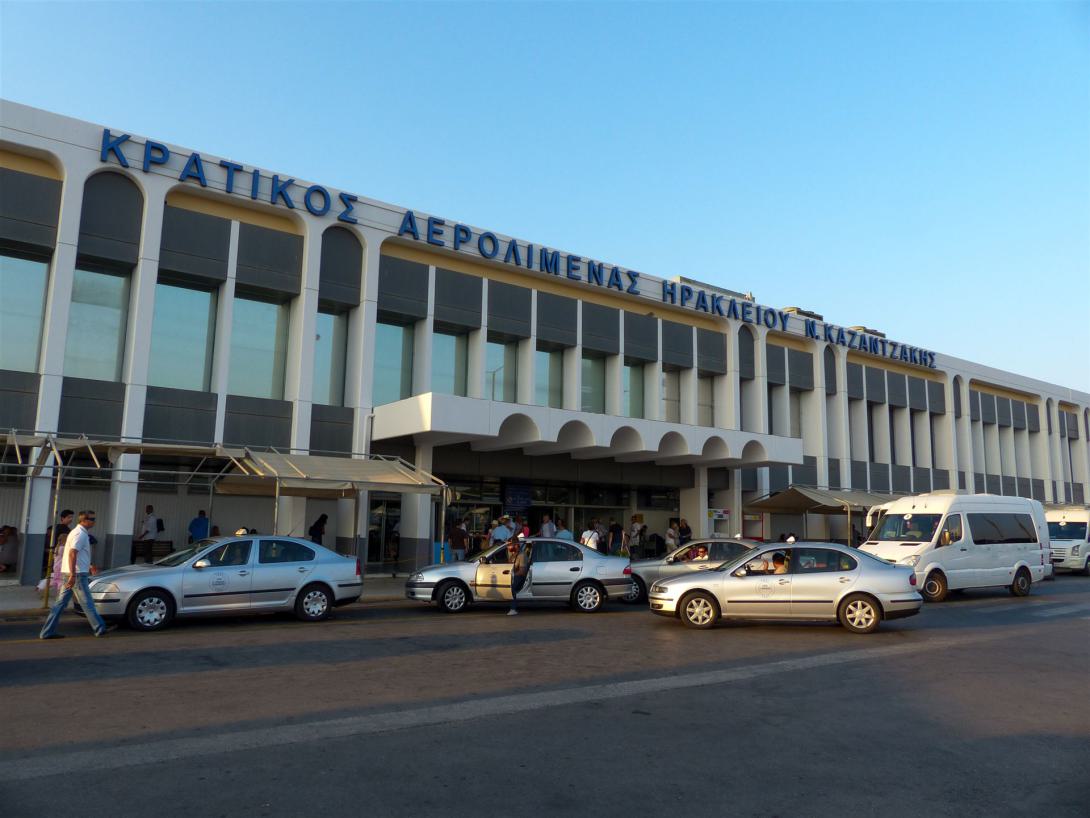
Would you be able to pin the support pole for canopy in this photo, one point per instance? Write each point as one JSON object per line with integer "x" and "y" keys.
{"x": 355, "y": 521}
{"x": 442, "y": 525}
{"x": 276, "y": 509}
{"x": 52, "y": 527}
{"x": 848, "y": 508}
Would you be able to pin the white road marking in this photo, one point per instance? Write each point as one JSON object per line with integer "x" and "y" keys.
{"x": 129, "y": 755}
{"x": 1067, "y": 609}
{"x": 1014, "y": 606}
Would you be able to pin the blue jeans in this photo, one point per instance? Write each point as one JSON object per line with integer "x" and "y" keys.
{"x": 82, "y": 590}
{"x": 517, "y": 581}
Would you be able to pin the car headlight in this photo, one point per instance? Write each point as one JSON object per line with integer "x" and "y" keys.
{"x": 104, "y": 588}
{"x": 910, "y": 561}
{"x": 417, "y": 577}
{"x": 659, "y": 589}
{"x": 1074, "y": 550}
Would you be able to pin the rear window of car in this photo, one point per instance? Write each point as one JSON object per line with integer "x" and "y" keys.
{"x": 273, "y": 551}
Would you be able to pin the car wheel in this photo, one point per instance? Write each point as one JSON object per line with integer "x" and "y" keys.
{"x": 935, "y": 587}
{"x": 1086, "y": 568}
{"x": 150, "y": 610}
{"x": 314, "y": 603}
{"x": 1022, "y": 583}
{"x": 452, "y": 596}
{"x": 587, "y": 597}
{"x": 860, "y": 613}
{"x": 699, "y": 610}
{"x": 638, "y": 593}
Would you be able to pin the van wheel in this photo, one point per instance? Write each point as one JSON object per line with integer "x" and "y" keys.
{"x": 1086, "y": 568}
{"x": 935, "y": 587}
{"x": 1022, "y": 583}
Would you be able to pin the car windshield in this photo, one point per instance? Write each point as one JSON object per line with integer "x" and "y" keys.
{"x": 1066, "y": 530}
{"x": 907, "y": 528}
{"x": 178, "y": 557}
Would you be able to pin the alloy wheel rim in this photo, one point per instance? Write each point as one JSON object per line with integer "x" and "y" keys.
{"x": 151, "y": 611}
{"x": 698, "y": 611}
{"x": 588, "y": 597}
{"x": 860, "y": 614}
{"x": 315, "y": 603}
{"x": 633, "y": 593}
{"x": 931, "y": 587}
{"x": 454, "y": 598}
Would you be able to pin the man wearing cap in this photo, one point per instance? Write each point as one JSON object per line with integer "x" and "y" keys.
{"x": 502, "y": 532}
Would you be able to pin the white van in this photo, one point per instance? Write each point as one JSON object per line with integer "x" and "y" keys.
{"x": 964, "y": 541}
{"x": 1069, "y": 532}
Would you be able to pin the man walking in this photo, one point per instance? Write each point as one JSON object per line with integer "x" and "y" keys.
{"x": 77, "y": 569}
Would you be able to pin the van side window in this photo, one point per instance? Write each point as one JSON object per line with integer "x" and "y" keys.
{"x": 951, "y": 530}
{"x": 1001, "y": 529}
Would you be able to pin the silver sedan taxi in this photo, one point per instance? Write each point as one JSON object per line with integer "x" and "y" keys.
{"x": 250, "y": 574}
{"x": 560, "y": 571}
{"x": 807, "y": 580}
{"x": 697, "y": 555}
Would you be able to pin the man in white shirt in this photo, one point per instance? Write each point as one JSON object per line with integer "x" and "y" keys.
{"x": 590, "y": 538}
{"x": 548, "y": 530}
{"x": 77, "y": 570}
{"x": 149, "y": 531}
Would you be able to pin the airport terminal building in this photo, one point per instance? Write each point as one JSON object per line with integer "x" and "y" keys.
{"x": 152, "y": 292}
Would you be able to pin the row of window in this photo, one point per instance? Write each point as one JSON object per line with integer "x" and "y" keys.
{"x": 183, "y": 334}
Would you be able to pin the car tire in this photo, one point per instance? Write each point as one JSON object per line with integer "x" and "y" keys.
{"x": 1022, "y": 583}
{"x": 587, "y": 597}
{"x": 452, "y": 596}
{"x": 314, "y": 603}
{"x": 1086, "y": 568}
{"x": 638, "y": 593}
{"x": 698, "y": 610}
{"x": 935, "y": 588}
{"x": 860, "y": 613}
{"x": 150, "y": 610}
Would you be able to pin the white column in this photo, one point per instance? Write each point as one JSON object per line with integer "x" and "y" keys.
{"x": 689, "y": 393}
{"x": 814, "y": 419}
{"x": 527, "y": 360}
{"x": 840, "y": 430}
{"x": 730, "y": 416}
{"x": 416, "y": 520}
{"x": 573, "y": 365}
{"x": 422, "y": 335}
{"x": 299, "y": 367}
{"x": 614, "y": 373}
{"x": 694, "y": 503}
{"x": 221, "y": 350}
{"x": 476, "y": 386}
{"x": 652, "y": 381}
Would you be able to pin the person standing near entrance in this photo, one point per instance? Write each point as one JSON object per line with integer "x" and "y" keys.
{"x": 501, "y": 533}
{"x": 149, "y": 530}
{"x": 198, "y": 527}
{"x": 518, "y": 551}
{"x": 563, "y": 532}
{"x": 77, "y": 569}
{"x": 317, "y": 531}
{"x": 685, "y": 533}
{"x": 459, "y": 540}
{"x": 548, "y": 530}
{"x": 673, "y": 538}
{"x": 615, "y": 537}
{"x": 590, "y": 536}
{"x": 55, "y": 538}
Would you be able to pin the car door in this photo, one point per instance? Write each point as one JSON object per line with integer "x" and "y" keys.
{"x": 282, "y": 568}
{"x": 223, "y": 582}
{"x": 493, "y": 579}
{"x": 554, "y": 568}
{"x": 819, "y": 577}
{"x": 755, "y": 590}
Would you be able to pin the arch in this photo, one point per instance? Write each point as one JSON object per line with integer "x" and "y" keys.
{"x": 829, "y": 357}
{"x": 626, "y": 439}
{"x": 754, "y": 452}
{"x": 715, "y": 448}
{"x": 575, "y": 435}
{"x": 747, "y": 340}
{"x": 673, "y": 444}
{"x": 518, "y": 429}
{"x": 111, "y": 219}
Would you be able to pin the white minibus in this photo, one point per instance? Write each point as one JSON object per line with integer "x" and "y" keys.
{"x": 1069, "y": 532}
{"x": 957, "y": 541}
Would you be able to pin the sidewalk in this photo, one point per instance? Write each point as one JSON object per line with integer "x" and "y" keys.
{"x": 24, "y": 600}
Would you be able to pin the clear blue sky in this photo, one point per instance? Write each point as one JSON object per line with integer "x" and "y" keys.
{"x": 920, "y": 168}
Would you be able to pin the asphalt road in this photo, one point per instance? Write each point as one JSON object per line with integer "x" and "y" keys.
{"x": 976, "y": 707}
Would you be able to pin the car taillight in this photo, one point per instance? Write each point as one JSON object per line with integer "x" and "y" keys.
{"x": 627, "y": 570}
{"x": 912, "y": 578}
{"x": 358, "y": 568}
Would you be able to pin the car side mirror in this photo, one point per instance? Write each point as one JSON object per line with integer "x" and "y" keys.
{"x": 201, "y": 564}
{"x": 670, "y": 560}
{"x": 741, "y": 572}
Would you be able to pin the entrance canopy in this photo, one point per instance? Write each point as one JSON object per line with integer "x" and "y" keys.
{"x": 304, "y": 475}
{"x": 805, "y": 500}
